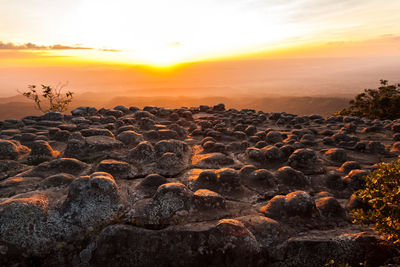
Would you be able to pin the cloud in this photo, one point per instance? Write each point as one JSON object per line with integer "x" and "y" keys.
{"x": 64, "y": 47}
{"x": 110, "y": 50}
{"x": 32, "y": 46}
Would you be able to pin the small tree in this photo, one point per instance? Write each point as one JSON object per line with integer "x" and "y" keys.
{"x": 382, "y": 193}
{"x": 382, "y": 103}
{"x": 56, "y": 99}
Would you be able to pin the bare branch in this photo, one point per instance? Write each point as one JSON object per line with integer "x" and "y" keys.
{"x": 56, "y": 99}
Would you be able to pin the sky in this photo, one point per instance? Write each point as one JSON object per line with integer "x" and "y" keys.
{"x": 164, "y": 34}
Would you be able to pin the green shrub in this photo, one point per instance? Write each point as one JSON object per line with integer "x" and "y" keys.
{"x": 56, "y": 99}
{"x": 382, "y": 103}
{"x": 382, "y": 193}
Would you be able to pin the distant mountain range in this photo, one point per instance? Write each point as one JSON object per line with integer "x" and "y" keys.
{"x": 17, "y": 106}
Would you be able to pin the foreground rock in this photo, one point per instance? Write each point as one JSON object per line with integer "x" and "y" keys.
{"x": 203, "y": 186}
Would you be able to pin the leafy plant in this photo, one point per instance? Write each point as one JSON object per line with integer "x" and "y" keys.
{"x": 56, "y": 99}
{"x": 382, "y": 103}
{"x": 382, "y": 193}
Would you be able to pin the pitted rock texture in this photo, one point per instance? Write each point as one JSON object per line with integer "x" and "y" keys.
{"x": 201, "y": 186}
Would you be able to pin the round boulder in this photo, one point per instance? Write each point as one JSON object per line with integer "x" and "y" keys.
{"x": 23, "y": 224}
{"x": 177, "y": 147}
{"x": 118, "y": 169}
{"x": 334, "y": 181}
{"x": 348, "y": 166}
{"x": 300, "y": 203}
{"x": 272, "y": 153}
{"x": 130, "y": 137}
{"x": 228, "y": 179}
{"x": 336, "y": 154}
{"x": 170, "y": 198}
{"x": 274, "y": 137}
{"x": 41, "y": 151}
{"x": 329, "y": 207}
{"x": 205, "y": 180}
{"x": 291, "y": 177}
{"x": 255, "y": 154}
{"x": 275, "y": 208}
{"x": 245, "y": 171}
{"x": 206, "y": 199}
{"x": 261, "y": 178}
{"x": 303, "y": 158}
{"x": 143, "y": 153}
{"x": 92, "y": 201}
{"x": 170, "y": 164}
{"x": 11, "y": 150}
{"x": 355, "y": 179}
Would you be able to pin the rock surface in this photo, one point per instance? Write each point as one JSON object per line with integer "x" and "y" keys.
{"x": 205, "y": 186}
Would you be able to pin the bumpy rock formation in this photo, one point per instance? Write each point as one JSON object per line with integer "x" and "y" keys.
{"x": 202, "y": 186}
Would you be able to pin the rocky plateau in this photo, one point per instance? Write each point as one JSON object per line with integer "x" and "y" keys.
{"x": 202, "y": 186}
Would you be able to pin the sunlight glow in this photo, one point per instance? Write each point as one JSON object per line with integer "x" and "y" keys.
{"x": 168, "y": 32}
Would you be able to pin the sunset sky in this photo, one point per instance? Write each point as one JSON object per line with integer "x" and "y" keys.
{"x": 159, "y": 33}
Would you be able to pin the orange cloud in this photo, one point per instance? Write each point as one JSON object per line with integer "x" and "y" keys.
{"x": 110, "y": 50}
{"x": 32, "y": 46}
